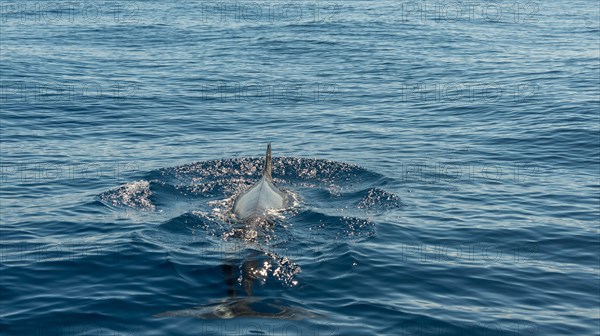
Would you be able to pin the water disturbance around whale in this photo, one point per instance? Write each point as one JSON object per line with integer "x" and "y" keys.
{"x": 253, "y": 260}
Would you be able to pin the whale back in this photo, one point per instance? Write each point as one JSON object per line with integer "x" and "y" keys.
{"x": 262, "y": 196}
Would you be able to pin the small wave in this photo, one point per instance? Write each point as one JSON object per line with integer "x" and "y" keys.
{"x": 133, "y": 194}
{"x": 379, "y": 199}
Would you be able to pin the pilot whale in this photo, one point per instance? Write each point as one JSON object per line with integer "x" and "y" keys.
{"x": 262, "y": 196}
{"x": 252, "y": 204}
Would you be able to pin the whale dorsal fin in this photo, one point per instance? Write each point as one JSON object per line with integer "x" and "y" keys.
{"x": 268, "y": 163}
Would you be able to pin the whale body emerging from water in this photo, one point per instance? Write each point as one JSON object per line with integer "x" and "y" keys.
{"x": 262, "y": 196}
{"x": 252, "y": 204}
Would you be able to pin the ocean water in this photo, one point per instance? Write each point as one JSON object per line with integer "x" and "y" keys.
{"x": 443, "y": 157}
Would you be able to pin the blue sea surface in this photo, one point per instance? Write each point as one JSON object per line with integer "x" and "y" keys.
{"x": 443, "y": 157}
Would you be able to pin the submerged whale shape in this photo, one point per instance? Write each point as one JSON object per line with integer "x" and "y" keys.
{"x": 262, "y": 196}
{"x": 243, "y": 307}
